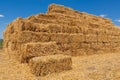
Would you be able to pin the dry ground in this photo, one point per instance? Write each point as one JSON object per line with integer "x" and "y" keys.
{"x": 94, "y": 67}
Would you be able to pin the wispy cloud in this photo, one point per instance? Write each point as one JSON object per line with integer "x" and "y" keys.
{"x": 118, "y": 20}
{"x": 1, "y": 15}
{"x": 103, "y": 15}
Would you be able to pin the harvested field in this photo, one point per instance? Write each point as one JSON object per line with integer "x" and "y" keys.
{"x": 13, "y": 70}
{"x": 94, "y": 67}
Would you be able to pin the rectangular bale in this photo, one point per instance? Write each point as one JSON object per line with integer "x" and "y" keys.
{"x": 46, "y": 37}
{"x": 30, "y": 50}
{"x": 70, "y": 46}
{"x": 115, "y": 39}
{"x": 55, "y": 28}
{"x": 102, "y": 38}
{"x": 51, "y": 28}
{"x": 91, "y": 38}
{"x": 44, "y": 65}
{"x": 96, "y": 45}
{"x": 76, "y": 38}
{"x": 60, "y": 37}
{"x": 42, "y": 37}
{"x": 28, "y": 36}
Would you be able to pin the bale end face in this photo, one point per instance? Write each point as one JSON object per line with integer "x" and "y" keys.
{"x": 44, "y": 65}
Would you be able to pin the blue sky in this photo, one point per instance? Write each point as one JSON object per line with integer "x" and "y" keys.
{"x": 11, "y": 9}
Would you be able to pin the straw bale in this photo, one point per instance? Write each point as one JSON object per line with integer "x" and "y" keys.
{"x": 60, "y": 9}
{"x": 70, "y": 29}
{"x": 38, "y": 49}
{"x": 106, "y": 45}
{"x": 43, "y": 37}
{"x": 112, "y": 38}
{"x": 72, "y": 46}
{"x": 28, "y": 36}
{"x": 12, "y": 26}
{"x": 77, "y": 52}
{"x": 48, "y": 16}
{"x": 13, "y": 49}
{"x": 94, "y": 25}
{"x": 91, "y": 38}
{"x": 85, "y": 45}
{"x": 109, "y": 38}
{"x": 64, "y": 46}
{"x": 46, "y": 37}
{"x": 41, "y": 20}
{"x": 68, "y": 46}
{"x": 102, "y": 34}
{"x": 118, "y": 38}
{"x": 44, "y": 65}
{"x": 76, "y": 45}
{"x": 96, "y": 45}
{"x": 115, "y": 38}
{"x": 61, "y": 37}
{"x": 76, "y": 38}
{"x": 74, "y": 52}
{"x": 55, "y": 28}
{"x": 92, "y": 31}
{"x": 102, "y": 38}
{"x": 115, "y": 44}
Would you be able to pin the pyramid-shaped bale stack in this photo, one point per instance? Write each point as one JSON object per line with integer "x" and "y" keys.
{"x": 73, "y": 33}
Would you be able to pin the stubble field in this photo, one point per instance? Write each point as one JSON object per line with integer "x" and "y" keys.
{"x": 93, "y": 67}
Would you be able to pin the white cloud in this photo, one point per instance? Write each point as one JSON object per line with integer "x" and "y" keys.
{"x": 117, "y": 20}
{"x": 1, "y": 15}
{"x": 103, "y": 15}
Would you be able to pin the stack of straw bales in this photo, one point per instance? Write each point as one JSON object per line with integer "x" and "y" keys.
{"x": 60, "y": 31}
